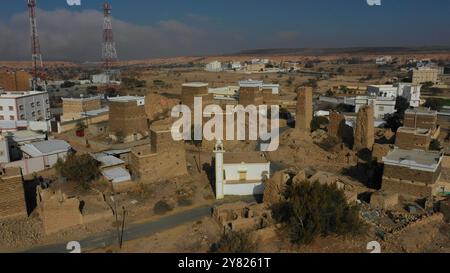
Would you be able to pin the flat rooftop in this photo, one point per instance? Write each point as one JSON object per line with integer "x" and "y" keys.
{"x": 195, "y": 84}
{"x": 421, "y": 111}
{"x": 126, "y": 99}
{"x": 416, "y": 131}
{"x": 19, "y": 94}
{"x": 414, "y": 159}
{"x": 82, "y": 99}
{"x": 248, "y": 158}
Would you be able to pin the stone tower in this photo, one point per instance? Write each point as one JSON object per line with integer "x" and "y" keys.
{"x": 219, "y": 151}
{"x": 304, "y": 109}
{"x": 364, "y": 130}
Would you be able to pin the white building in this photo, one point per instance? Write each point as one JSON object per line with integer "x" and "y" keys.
{"x": 239, "y": 174}
{"x": 383, "y": 60}
{"x": 39, "y": 156}
{"x": 381, "y": 105}
{"x": 29, "y": 106}
{"x": 275, "y": 88}
{"x": 236, "y": 65}
{"x": 411, "y": 92}
{"x": 215, "y": 66}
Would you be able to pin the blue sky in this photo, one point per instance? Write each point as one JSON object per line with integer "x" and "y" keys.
{"x": 195, "y": 27}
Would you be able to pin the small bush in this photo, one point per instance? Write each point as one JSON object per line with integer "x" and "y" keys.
{"x": 161, "y": 208}
{"x": 235, "y": 242}
{"x": 312, "y": 209}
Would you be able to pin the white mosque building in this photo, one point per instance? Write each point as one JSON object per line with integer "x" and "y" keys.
{"x": 240, "y": 174}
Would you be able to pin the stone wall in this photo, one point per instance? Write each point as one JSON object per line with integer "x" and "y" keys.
{"x": 337, "y": 125}
{"x": 58, "y": 212}
{"x": 364, "y": 130}
{"x": 250, "y": 96}
{"x": 127, "y": 118}
{"x": 304, "y": 114}
{"x": 72, "y": 109}
{"x": 403, "y": 173}
{"x": 15, "y": 81}
{"x": 152, "y": 167}
{"x": 12, "y": 195}
{"x": 418, "y": 190}
{"x": 411, "y": 141}
{"x": 413, "y": 120}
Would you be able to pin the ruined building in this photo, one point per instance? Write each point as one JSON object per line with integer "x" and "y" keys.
{"x": 364, "y": 136}
{"x": 304, "y": 109}
{"x": 127, "y": 118}
{"x": 15, "y": 81}
{"x": 57, "y": 211}
{"x": 163, "y": 159}
{"x": 412, "y": 172}
{"x": 12, "y": 196}
{"x": 337, "y": 125}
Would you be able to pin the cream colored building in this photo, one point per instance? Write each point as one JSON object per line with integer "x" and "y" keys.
{"x": 423, "y": 75}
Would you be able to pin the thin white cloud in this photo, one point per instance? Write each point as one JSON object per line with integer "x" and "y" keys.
{"x": 76, "y": 35}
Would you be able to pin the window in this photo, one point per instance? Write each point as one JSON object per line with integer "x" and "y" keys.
{"x": 11, "y": 108}
{"x": 32, "y": 104}
{"x": 22, "y": 117}
{"x": 2, "y": 118}
{"x": 11, "y": 118}
{"x": 39, "y": 112}
{"x": 381, "y": 108}
{"x": 38, "y": 103}
{"x": 33, "y": 114}
{"x": 46, "y": 101}
{"x": 21, "y": 107}
{"x": 1, "y": 108}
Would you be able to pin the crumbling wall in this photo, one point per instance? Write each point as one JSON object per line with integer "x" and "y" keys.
{"x": 58, "y": 212}
{"x": 12, "y": 195}
{"x": 304, "y": 113}
{"x": 364, "y": 130}
{"x": 337, "y": 125}
{"x": 241, "y": 216}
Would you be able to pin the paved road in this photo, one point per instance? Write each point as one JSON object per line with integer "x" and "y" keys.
{"x": 133, "y": 232}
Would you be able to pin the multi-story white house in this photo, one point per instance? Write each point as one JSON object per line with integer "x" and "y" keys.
{"x": 214, "y": 67}
{"x": 409, "y": 91}
{"x": 29, "y": 106}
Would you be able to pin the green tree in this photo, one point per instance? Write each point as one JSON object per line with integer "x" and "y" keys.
{"x": 313, "y": 209}
{"x": 401, "y": 105}
{"x": 435, "y": 145}
{"x": 435, "y": 104}
{"x": 80, "y": 168}
{"x": 393, "y": 121}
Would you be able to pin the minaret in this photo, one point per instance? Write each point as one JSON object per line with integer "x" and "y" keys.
{"x": 219, "y": 151}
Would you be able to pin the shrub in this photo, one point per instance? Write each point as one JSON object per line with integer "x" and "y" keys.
{"x": 312, "y": 209}
{"x": 235, "y": 242}
{"x": 161, "y": 208}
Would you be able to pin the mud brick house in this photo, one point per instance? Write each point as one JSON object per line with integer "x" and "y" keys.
{"x": 412, "y": 172}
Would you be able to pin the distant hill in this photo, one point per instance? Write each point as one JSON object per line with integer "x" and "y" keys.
{"x": 350, "y": 50}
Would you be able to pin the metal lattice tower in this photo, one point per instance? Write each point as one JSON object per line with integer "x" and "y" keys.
{"x": 109, "y": 53}
{"x": 36, "y": 56}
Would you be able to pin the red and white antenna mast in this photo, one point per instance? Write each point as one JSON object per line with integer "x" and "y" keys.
{"x": 36, "y": 56}
{"x": 109, "y": 53}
